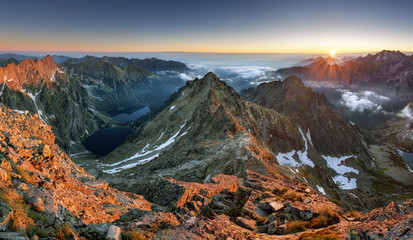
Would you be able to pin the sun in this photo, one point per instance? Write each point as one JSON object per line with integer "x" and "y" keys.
{"x": 332, "y": 52}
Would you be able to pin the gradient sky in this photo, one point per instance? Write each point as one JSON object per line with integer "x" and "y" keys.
{"x": 287, "y": 26}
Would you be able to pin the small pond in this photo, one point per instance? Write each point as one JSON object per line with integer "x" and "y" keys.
{"x": 129, "y": 114}
{"x": 106, "y": 140}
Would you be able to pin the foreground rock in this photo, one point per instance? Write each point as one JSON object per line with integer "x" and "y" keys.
{"x": 44, "y": 189}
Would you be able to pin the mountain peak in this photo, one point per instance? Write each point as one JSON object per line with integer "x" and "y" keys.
{"x": 294, "y": 81}
{"x": 28, "y": 71}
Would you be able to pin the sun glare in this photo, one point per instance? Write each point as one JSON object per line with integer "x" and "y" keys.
{"x": 332, "y": 52}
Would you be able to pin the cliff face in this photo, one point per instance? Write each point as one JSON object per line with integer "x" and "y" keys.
{"x": 59, "y": 100}
{"x": 29, "y": 72}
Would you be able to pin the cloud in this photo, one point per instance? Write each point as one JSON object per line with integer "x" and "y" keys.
{"x": 185, "y": 77}
{"x": 248, "y": 72}
{"x": 364, "y": 101}
{"x": 318, "y": 84}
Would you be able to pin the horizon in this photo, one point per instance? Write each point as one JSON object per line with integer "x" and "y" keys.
{"x": 229, "y": 26}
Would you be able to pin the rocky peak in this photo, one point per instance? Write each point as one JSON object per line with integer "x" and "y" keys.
{"x": 28, "y": 72}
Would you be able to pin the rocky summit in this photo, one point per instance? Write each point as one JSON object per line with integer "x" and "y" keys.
{"x": 206, "y": 128}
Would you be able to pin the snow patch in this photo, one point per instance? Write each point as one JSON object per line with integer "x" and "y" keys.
{"x": 345, "y": 183}
{"x": 321, "y": 189}
{"x": 340, "y": 180}
{"x": 131, "y": 165}
{"x": 143, "y": 153}
{"x": 308, "y": 134}
{"x": 287, "y": 159}
{"x": 336, "y": 164}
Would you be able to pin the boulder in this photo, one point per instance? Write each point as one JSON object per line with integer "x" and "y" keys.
{"x": 306, "y": 214}
{"x": 272, "y": 227}
{"x": 47, "y": 152}
{"x": 6, "y": 165}
{"x": 3, "y": 175}
{"x": 276, "y": 206}
{"x": 246, "y": 223}
{"x": 98, "y": 184}
{"x": 114, "y": 233}
{"x": 12, "y": 236}
{"x": 282, "y": 229}
{"x": 207, "y": 212}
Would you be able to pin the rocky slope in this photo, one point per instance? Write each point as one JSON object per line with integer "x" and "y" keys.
{"x": 44, "y": 194}
{"x": 206, "y": 129}
{"x": 399, "y": 130}
{"x": 42, "y": 190}
{"x": 60, "y": 100}
{"x": 118, "y": 83}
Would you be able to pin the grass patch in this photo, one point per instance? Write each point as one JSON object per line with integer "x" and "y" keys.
{"x": 133, "y": 235}
{"x": 292, "y": 196}
{"x": 326, "y": 234}
{"x": 296, "y": 226}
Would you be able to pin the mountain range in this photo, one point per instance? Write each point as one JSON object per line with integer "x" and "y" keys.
{"x": 285, "y": 131}
{"x": 390, "y": 71}
{"x": 205, "y": 162}
{"x": 44, "y": 194}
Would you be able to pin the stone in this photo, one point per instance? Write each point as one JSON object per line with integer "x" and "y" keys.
{"x": 98, "y": 184}
{"x": 37, "y": 203}
{"x": 12, "y": 236}
{"x": 3, "y": 175}
{"x": 6, "y": 165}
{"x": 272, "y": 227}
{"x": 47, "y": 152}
{"x": 260, "y": 212}
{"x": 190, "y": 223}
{"x": 282, "y": 229}
{"x": 207, "y": 212}
{"x": 22, "y": 186}
{"x": 263, "y": 228}
{"x": 306, "y": 214}
{"x": 307, "y": 190}
{"x": 246, "y": 223}
{"x": 114, "y": 233}
{"x": 272, "y": 218}
{"x": 5, "y": 213}
{"x": 276, "y": 206}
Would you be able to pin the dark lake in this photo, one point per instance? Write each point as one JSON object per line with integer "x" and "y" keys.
{"x": 408, "y": 158}
{"x": 106, "y": 140}
{"x": 129, "y": 114}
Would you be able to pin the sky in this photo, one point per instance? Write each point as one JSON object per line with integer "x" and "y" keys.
{"x": 247, "y": 26}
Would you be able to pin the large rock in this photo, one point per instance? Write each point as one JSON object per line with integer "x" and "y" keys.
{"x": 246, "y": 223}
{"x": 114, "y": 233}
{"x": 272, "y": 227}
{"x": 12, "y": 236}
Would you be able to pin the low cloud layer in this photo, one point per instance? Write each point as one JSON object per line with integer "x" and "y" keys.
{"x": 364, "y": 101}
{"x": 248, "y": 72}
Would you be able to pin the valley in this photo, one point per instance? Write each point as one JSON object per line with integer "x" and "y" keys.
{"x": 159, "y": 157}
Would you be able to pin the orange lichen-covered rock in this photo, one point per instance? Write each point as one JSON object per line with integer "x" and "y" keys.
{"x": 218, "y": 184}
{"x": 48, "y": 177}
